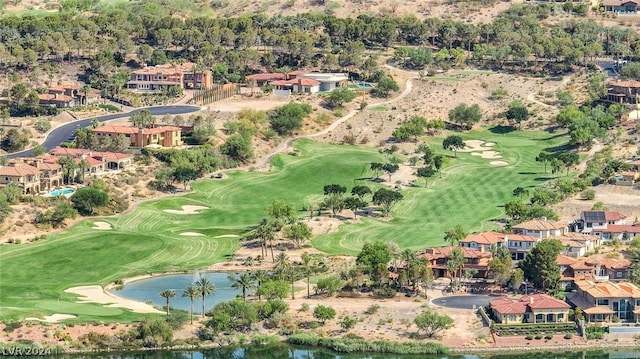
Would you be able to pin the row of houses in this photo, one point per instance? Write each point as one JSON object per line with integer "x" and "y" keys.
{"x": 43, "y": 173}
{"x": 600, "y": 302}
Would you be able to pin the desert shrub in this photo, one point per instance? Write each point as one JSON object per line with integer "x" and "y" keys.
{"x": 351, "y": 345}
{"x": 548, "y": 336}
{"x": 588, "y": 194}
{"x": 529, "y": 337}
{"x": 568, "y": 336}
{"x": 373, "y": 309}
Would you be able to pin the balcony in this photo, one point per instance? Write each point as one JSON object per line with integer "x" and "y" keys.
{"x": 601, "y": 278}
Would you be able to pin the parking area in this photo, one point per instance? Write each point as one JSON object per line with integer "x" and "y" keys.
{"x": 463, "y": 301}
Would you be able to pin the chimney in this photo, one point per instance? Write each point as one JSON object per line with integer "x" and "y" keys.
{"x": 544, "y": 219}
{"x": 531, "y": 300}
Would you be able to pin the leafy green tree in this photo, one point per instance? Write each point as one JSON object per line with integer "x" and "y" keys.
{"x": 298, "y": 233}
{"x": 14, "y": 141}
{"x": 376, "y": 167}
{"x": 431, "y": 323}
{"x": 425, "y": 172}
{"x": 38, "y": 150}
{"x": 565, "y": 98}
{"x": 87, "y": 199}
{"x": 386, "y": 198}
{"x": 330, "y": 285}
{"x": 360, "y": 191}
{"x": 42, "y": 126}
{"x": 192, "y": 293}
{"x": 453, "y": 143}
{"x": 501, "y": 265}
{"x": 413, "y": 127}
{"x": 454, "y": 235}
{"x": 517, "y": 277}
{"x": 185, "y": 174}
{"x": 390, "y": 168}
{"x": 274, "y": 289}
{"x": 324, "y": 313}
{"x": 517, "y": 112}
{"x": 281, "y": 213}
{"x": 340, "y": 96}
{"x": 386, "y": 85}
{"x": 238, "y": 147}
{"x": 540, "y": 267}
{"x": 334, "y": 189}
{"x": 168, "y": 294}
{"x": 354, "y": 203}
{"x": 465, "y": 116}
{"x": 285, "y": 119}
{"x": 520, "y": 192}
{"x": 232, "y": 316}
{"x": 545, "y": 158}
{"x": 244, "y": 281}
{"x": 374, "y": 259}
{"x": 60, "y": 213}
{"x": 142, "y": 118}
{"x": 205, "y": 287}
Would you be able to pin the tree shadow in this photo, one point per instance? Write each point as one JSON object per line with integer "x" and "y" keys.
{"x": 502, "y": 129}
{"x": 527, "y": 173}
{"x": 542, "y": 179}
{"x": 560, "y": 148}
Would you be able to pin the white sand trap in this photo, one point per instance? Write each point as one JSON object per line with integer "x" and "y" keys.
{"x": 191, "y": 234}
{"x": 53, "y": 318}
{"x": 101, "y": 225}
{"x": 498, "y": 163}
{"x": 489, "y": 144}
{"x": 476, "y": 154}
{"x": 186, "y": 210}
{"x": 95, "y": 294}
{"x": 472, "y": 145}
{"x": 227, "y": 236}
{"x": 490, "y": 155}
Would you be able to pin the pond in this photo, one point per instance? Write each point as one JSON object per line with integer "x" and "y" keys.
{"x": 148, "y": 290}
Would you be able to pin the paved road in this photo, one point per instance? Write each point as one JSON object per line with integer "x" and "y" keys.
{"x": 66, "y": 132}
{"x": 463, "y": 301}
{"x": 608, "y": 66}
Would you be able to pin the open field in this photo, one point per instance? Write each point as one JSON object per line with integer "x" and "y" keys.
{"x": 149, "y": 239}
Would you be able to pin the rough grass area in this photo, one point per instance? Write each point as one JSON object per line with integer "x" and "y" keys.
{"x": 470, "y": 193}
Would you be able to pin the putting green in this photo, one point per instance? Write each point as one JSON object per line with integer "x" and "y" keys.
{"x": 33, "y": 276}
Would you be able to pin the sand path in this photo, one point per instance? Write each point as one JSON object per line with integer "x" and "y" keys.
{"x": 53, "y": 318}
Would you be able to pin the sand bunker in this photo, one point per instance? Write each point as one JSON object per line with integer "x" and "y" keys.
{"x": 491, "y": 154}
{"x": 53, "y": 318}
{"x": 101, "y": 225}
{"x": 95, "y": 294}
{"x": 489, "y": 144}
{"x": 186, "y": 210}
{"x": 472, "y": 145}
{"x": 191, "y": 234}
{"x": 498, "y": 163}
{"x": 227, "y": 236}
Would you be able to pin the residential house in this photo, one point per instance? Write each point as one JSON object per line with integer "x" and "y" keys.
{"x": 626, "y": 178}
{"x": 541, "y": 228}
{"x": 594, "y": 268}
{"x": 50, "y": 173}
{"x": 484, "y": 241}
{"x": 473, "y": 259}
{"x": 623, "y": 232}
{"x": 297, "y": 85}
{"x": 162, "y": 77}
{"x": 623, "y": 91}
{"x": 99, "y": 161}
{"x": 64, "y": 95}
{"x": 328, "y": 81}
{"x": 56, "y": 100}
{"x": 577, "y": 244}
{"x": 165, "y": 136}
{"x": 602, "y": 301}
{"x": 519, "y": 245}
{"x": 593, "y": 221}
{"x": 25, "y": 176}
{"x": 535, "y": 308}
{"x": 621, "y": 6}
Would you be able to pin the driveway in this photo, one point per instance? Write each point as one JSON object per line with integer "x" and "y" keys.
{"x": 463, "y": 301}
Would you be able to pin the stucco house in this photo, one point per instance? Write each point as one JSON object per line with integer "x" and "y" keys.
{"x": 535, "y": 308}
{"x": 602, "y": 301}
{"x": 165, "y": 136}
{"x": 483, "y": 241}
{"x": 473, "y": 259}
{"x": 162, "y": 77}
{"x": 626, "y": 91}
{"x": 23, "y": 175}
{"x": 541, "y": 228}
{"x": 621, "y": 6}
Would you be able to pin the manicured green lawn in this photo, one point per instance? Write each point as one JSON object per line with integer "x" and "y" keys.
{"x": 33, "y": 276}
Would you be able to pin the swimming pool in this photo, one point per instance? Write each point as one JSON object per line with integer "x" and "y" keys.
{"x": 61, "y": 192}
{"x": 363, "y": 85}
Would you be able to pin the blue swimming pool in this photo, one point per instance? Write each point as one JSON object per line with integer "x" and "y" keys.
{"x": 61, "y": 192}
{"x": 364, "y": 85}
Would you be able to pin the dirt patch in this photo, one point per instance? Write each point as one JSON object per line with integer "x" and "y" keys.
{"x": 236, "y": 106}
{"x": 53, "y": 318}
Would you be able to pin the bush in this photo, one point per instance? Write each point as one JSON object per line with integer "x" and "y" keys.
{"x": 568, "y": 336}
{"x": 373, "y": 309}
{"x": 548, "y": 336}
{"x": 538, "y": 336}
{"x": 384, "y": 292}
{"x": 352, "y": 345}
{"x": 529, "y": 337}
{"x": 588, "y": 194}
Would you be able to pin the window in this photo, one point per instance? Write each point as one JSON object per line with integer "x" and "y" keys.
{"x": 603, "y": 302}
{"x": 512, "y": 318}
{"x": 560, "y": 316}
{"x": 619, "y": 274}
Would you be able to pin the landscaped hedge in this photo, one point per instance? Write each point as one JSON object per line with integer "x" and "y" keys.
{"x": 351, "y": 345}
{"x": 533, "y": 329}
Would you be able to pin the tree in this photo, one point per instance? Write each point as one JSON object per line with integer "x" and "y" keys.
{"x": 520, "y": 192}
{"x": 274, "y": 290}
{"x": 329, "y": 285}
{"x": 360, "y": 191}
{"x": 453, "y": 143}
{"x": 142, "y": 118}
{"x": 238, "y": 147}
{"x": 333, "y": 202}
{"x": 438, "y": 162}
{"x": 425, "y": 172}
{"x": 517, "y": 112}
{"x": 386, "y": 198}
{"x": 244, "y": 281}
{"x": 287, "y": 118}
{"x": 545, "y": 158}
{"x": 61, "y": 212}
{"x": 501, "y": 265}
{"x": 184, "y": 174}
{"x": 334, "y": 189}
{"x": 374, "y": 259}
{"x": 191, "y": 292}
{"x": 87, "y": 199}
{"x": 454, "y": 235}
{"x": 431, "y": 323}
{"x": 68, "y": 167}
{"x": 168, "y": 294}
{"x": 340, "y": 96}
{"x": 298, "y": 233}
{"x": 376, "y": 167}
{"x": 540, "y": 267}
{"x": 517, "y": 277}
{"x": 465, "y": 116}
{"x": 232, "y": 316}
{"x": 205, "y": 288}
{"x": 390, "y": 168}
{"x": 354, "y": 203}
{"x": 324, "y": 313}
{"x": 308, "y": 268}
{"x": 386, "y": 85}
{"x": 38, "y": 150}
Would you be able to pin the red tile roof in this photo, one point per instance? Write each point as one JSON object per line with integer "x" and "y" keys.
{"x": 627, "y": 83}
{"x": 522, "y": 238}
{"x": 614, "y": 216}
{"x": 526, "y": 303}
{"x": 444, "y": 252}
{"x": 18, "y": 170}
{"x": 128, "y": 130}
{"x": 266, "y": 76}
{"x": 563, "y": 260}
{"x": 484, "y": 238}
{"x": 621, "y": 228}
{"x": 539, "y": 225}
{"x": 304, "y": 82}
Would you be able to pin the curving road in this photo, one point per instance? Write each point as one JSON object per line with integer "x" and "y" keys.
{"x": 66, "y": 132}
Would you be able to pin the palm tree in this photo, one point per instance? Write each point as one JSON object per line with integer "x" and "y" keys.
{"x": 191, "y": 292}
{"x": 83, "y": 165}
{"x": 454, "y": 235}
{"x": 85, "y": 90}
{"x": 205, "y": 287}
{"x": 260, "y": 276}
{"x": 68, "y": 167}
{"x": 281, "y": 262}
{"x": 243, "y": 281}
{"x": 264, "y": 232}
{"x": 168, "y": 294}
{"x": 307, "y": 268}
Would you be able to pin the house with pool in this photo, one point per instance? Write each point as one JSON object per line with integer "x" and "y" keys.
{"x": 32, "y": 175}
{"x": 607, "y": 302}
{"x": 535, "y": 308}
